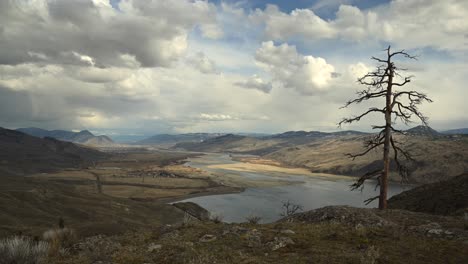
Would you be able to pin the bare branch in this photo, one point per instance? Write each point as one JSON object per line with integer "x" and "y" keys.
{"x": 359, "y": 183}
{"x": 357, "y": 118}
{"x": 370, "y": 200}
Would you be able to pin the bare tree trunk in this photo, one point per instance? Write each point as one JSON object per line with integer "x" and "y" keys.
{"x": 386, "y": 156}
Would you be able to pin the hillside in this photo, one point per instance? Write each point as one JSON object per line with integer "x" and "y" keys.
{"x": 333, "y": 234}
{"x": 423, "y": 131}
{"x": 445, "y": 197}
{"x": 22, "y": 153}
{"x": 325, "y": 152}
{"x": 260, "y": 145}
{"x": 44, "y": 179}
{"x": 83, "y": 137}
{"x": 459, "y": 131}
{"x": 171, "y": 139}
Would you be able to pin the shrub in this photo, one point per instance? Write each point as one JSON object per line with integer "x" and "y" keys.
{"x": 370, "y": 256}
{"x": 216, "y": 218}
{"x": 22, "y": 250}
{"x": 59, "y": 239}
{"x": 252, "y": 219}
{"x": 290, "y": 208}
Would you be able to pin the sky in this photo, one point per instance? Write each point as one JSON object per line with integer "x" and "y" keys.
{"x": 139, "y": 67}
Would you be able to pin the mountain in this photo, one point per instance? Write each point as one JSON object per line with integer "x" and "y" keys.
{"x": 83, "y": 137}
{"x": 171, "y": 139}
{"x": 262, "y": 145}
{"x": 22, "y": 153}
{"x": 459, "y": 131}
{"x": 423, "y": 131}
{"x": 325, "y": 152}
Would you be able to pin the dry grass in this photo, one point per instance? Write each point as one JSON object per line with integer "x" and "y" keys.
{"x": 22, "y": 250}
{"x": 313, "y": 243}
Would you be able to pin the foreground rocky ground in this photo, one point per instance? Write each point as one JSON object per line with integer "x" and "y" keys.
{"x": 336, "y": 234}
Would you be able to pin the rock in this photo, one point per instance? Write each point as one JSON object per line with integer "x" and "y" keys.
{"x": 189, "y": 244}
{"x": 280, "y": 242}
{"x": 207, "y": 238}
{"x": 435, "y": 232}
{"x": 105, "y": 244}
{"x": 236, "y": 230}
{"x": 254, "y": 238}
{"x": 340, "y": 214}
{"x": 194, "y": 210}
{"x": 287, "y": 231}
{"x": 154, "y": 247}
{"x": 171, "y": 235}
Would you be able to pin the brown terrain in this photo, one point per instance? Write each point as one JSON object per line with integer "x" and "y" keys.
{"x": 437, "y": 157}
{"x": 114, "y": 207}
{"x": 94, "y": 192}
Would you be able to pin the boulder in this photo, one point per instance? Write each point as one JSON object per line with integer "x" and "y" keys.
{"x": 194, "y": 210}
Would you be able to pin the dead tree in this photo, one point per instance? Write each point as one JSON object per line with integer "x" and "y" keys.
{"x": 386, "y": 82}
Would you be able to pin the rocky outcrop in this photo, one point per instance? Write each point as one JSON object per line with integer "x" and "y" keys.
{"x": 340, "y": 214}
{"x": 193, "y": 210}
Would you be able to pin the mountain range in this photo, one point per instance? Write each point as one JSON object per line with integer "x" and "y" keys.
{"x": 83, "y": 137}
{"x": 171, "y": 139}
{"x": 437, "y": 156}
{"x": 22, "y": 153}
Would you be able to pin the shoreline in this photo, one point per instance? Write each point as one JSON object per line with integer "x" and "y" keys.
{"x": 233, "y": 184}
{"x": 171, "y": 200}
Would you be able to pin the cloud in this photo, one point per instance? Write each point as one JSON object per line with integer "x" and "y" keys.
{"x": 306, "y": 74}
{"x": 92, "y": 33}
{"x": 171, "y": 66}
{"x": 202, "y": 63}
{"x": 300, "y": 22}
{"x": 409, "y": 23}
{"x": 216, "y": 117}
{"x": 255, "y": 82}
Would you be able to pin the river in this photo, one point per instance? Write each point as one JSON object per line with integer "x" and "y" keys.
{"x": 311, "y": 191}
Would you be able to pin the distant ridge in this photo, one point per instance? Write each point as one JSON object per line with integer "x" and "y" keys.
{"x": 458, "y": 131}
{"x": 22, "y": 153}
{"x": 83, "y": 137}
{"x": 177, "y": 138}
{"x": 423, "y": 131}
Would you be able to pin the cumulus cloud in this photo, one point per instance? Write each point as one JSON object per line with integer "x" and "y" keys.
{"x": 407, "y": 23}
{"x": 255, "y": 82}
{"x": 300, "y": 22}
{"x": 306, "y": 74}
{"x": 93, "y": 33}
{"x": 202, "y": 63}
{"x": 190, "y": 66}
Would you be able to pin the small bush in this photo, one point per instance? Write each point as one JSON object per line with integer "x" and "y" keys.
{"x": 370, "y": 256}
{"x": 216, "y": 218}
{"x": 59, "y": 239}
{"x": 252, "y": 219}
{"x": 290, "y": 208}
{"x": 22, "y": 250}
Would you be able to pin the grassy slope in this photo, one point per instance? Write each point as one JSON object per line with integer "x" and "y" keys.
{"x": 447, "y": 197}
{"x": 323, "y": 242}
{"x": 31, "y": 205}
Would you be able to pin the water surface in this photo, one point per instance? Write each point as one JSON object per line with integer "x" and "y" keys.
{"x": 308, "y": 191}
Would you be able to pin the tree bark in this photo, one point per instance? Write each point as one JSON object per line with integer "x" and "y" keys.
{"x": 388, "y": 132}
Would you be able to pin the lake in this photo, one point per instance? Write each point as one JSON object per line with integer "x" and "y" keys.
{"x": 308, "y": 191}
